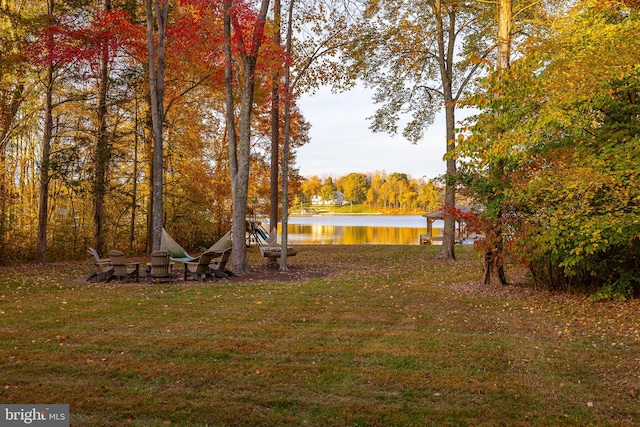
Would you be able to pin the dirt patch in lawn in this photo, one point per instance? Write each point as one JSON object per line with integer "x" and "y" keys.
{"x": 259, "y": 274}
{"x": 269, "y": 274}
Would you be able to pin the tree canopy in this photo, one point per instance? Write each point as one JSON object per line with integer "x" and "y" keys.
{"x": 567, "y": 140}
{"x": 100, "y": 147}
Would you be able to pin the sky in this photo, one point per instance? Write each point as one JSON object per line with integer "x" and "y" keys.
{"x": 341, "y": 141}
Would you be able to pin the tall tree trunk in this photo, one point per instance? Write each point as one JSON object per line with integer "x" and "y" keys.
{"x": 9, "y": 113}
{"x": 43, "y": 207}
{"x": 134, "y": 190}
{"x": 148, "y": 154}
{"x": 102, "y": 151}
{"x": 275, "y": 130}
{"x": 240, "y": 184}
{"x": 447, "y": 251}
{"x": 230, "y": 117}
{"x": 504, "y": 34}
{"x": 238, "y": 219}
{"x": 287, "y": 137}
{"x": 156, "y": 83}
{"x": 446, "y": 52}
{"x": 47, "y": 135}
{"x": 494, "y": 253}
{"x": 240, "y": 148}
{"x": 3, "y": 205}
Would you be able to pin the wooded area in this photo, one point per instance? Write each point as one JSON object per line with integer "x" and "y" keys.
{"x": 115, "y": 160}
{"x": 120, "y": 117}
{"x": 377, "y": 190}
{"x": 554, "y": 154}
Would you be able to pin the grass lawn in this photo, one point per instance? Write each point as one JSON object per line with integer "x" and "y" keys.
{"x": 375, "y": 336}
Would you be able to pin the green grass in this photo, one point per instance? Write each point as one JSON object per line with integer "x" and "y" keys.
{"x": 389, "y": 337}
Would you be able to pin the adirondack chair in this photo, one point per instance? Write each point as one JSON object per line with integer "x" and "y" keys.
{"x": 92, "y": 252}
{"x": 123, "y": 269}
{"x": 104, "y": 269}
{"x": 160, "y": 267}
{"x": 218, "y": 264}
{"x": 200, "y": 267}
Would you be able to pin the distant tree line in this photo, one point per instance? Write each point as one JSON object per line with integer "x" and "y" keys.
{"x": 377, "y": 190}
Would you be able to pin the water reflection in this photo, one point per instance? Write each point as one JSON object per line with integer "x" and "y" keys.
{"x": 322, "y": 234}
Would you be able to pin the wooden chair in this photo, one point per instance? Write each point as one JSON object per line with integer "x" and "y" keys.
{"x": 200, "y": 267}
{"x": 218, "y": 265}
{"x": 160, "y": 266}
{"x": 92, "y": 252}
{"x": 104, "y": 269}
{"x": 123, "y": 269}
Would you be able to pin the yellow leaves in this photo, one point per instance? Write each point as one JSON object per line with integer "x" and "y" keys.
{"x": 477, "y": 59}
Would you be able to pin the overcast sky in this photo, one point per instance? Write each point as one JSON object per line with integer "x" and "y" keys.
{"x": 341, "y": 141}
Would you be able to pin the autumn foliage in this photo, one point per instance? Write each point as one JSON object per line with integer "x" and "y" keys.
{"x": 567, "y": 142}
{"x": 78, "y": 40}
{"x": 552, "y": 157}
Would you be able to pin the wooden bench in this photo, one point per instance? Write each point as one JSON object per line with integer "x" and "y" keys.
{"x": 276, "y": 251}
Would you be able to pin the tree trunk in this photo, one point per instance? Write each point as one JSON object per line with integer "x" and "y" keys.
{"x": 238, "y": 219}
{"x": 446, "y": 52}
{"x": 102, "y": 151}
{"x": 494, "y": 253}
{"x": 504, "y": 34}
{"x": 134, "y": 190}
{"x": 9, "y": 113}
{"x": 241, "y": 182}
{"x": 3, "y": 206}
{"x": 156, "y": 83}
{"x": 43, "y": 209}
{"x": 447, "y": 251}
{"x": 275, "y": 130}
{"x": 240, "y": 148}
{"x": 285, "y": 148}
{"x": 47, "y": 135}
{"x": 229, "y": 102}
{"x": 148, "y": 145}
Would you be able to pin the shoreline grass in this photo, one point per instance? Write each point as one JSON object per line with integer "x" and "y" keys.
{"x": 389, "y": 336}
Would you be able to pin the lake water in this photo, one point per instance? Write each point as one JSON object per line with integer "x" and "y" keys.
{"x": 359, "y": 229}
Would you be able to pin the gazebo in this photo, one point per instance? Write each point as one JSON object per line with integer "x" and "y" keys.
{"x": 461, "y": 228}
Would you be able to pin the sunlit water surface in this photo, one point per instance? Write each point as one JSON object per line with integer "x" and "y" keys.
{"x": 359, "y": 229}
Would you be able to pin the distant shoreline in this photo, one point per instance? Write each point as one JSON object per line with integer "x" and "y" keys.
{"x": 344, "y": 213}
{"x": 359, "y": 209}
